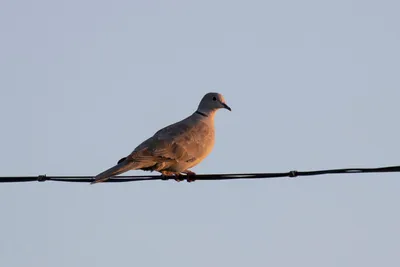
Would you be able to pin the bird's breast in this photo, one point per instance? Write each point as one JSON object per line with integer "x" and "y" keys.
{"x": 203, "y": 143}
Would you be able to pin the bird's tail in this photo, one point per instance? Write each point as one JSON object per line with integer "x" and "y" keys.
{"x": 121, "y": 167}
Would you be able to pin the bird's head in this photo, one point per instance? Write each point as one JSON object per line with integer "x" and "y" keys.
{"x": 212, "y": 102}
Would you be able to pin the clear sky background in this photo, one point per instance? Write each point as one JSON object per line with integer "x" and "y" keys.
{"x": 312, "y": 84}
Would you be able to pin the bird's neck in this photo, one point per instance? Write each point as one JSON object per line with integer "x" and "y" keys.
{"x": 206, "y": 113}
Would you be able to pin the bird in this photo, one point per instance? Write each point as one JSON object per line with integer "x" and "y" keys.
{"x": 176, "y": 148}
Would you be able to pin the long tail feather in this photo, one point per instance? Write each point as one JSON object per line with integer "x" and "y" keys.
{"x": 121, "y": 167}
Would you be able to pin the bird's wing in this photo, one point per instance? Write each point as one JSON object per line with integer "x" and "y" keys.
{"x": 182, "y": 141}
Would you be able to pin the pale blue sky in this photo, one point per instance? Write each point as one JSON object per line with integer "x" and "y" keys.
{"x": 312, "y": 84}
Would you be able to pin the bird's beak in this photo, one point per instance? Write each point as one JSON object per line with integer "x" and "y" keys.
{"x": 226, "y": 106}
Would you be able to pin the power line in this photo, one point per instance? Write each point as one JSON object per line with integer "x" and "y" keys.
{"x": 227, "y": 176}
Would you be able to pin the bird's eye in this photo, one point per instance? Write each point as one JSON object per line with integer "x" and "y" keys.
{"x": 214, "y": 98}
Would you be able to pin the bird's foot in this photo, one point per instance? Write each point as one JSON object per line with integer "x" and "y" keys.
{"x": 178, "y": 177}
{"x": 165, "y": 175}
{"x": 189, "y": 172}
{"x": 189, "y": 175}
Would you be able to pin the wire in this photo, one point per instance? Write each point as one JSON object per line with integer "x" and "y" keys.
{"x": 228, "y": 176}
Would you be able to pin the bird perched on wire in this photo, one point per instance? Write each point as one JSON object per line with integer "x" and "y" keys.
{"x": 175, "y": 149}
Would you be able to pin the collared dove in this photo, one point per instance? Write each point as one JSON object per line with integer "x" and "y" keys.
{"x": 175, "y": 149}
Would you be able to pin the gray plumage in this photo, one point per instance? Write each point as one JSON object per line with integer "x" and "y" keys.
{"x": 176, "y": 148}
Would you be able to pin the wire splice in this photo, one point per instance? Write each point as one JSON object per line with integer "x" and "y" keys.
{"x": 42, "y": 178}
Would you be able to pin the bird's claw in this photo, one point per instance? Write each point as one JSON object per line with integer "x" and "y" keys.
{"x": 165, "y": 175}
{"x": 190, "y": 175}
{"x": 178, "y": 176}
